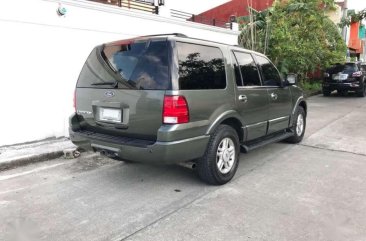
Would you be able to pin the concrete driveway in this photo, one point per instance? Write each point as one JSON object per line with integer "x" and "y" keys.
{"x": 312, "y": 191}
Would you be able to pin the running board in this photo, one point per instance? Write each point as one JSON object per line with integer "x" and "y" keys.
{"x": 275, "y": 138}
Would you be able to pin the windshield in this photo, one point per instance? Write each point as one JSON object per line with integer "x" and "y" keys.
{"x": 135, "y": 65}
{"x": 347, "y": 68}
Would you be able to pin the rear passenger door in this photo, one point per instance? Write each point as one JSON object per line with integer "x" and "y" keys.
{"x": 280, "y": 102}
{"x": 251, "y": 97}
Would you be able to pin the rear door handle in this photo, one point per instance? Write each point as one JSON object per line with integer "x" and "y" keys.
{"x": 243, "y": 98}
{"x": 274, "y": 96}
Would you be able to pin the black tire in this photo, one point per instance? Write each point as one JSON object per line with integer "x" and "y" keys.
{"x": 207, "y": 166}
{"x": 326, "y": 92}
{"x": 362, "y": 92}
{"x": 296, "y": 138}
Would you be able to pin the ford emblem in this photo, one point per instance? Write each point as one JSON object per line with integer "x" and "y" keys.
{"x": 109, "y": 93}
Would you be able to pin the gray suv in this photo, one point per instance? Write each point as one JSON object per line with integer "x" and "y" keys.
{"x": 170, "y": 99}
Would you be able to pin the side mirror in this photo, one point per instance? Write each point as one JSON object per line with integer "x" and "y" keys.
{"x": 291, "y": 79}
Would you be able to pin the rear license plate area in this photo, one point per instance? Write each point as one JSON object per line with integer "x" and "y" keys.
{"x": 110, "y": 115}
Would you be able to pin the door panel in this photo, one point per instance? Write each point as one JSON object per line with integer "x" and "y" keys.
{"x": 251, "y": 97}
{"x": 254, "y": 111}
{"x": 280, "y": 101}
{"x": 279, "y": 108}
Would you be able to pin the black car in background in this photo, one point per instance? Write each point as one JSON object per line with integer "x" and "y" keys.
{"x": 345, "y": 77}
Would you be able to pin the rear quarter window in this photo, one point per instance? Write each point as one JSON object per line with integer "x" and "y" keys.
{"x": 200, "y": 67}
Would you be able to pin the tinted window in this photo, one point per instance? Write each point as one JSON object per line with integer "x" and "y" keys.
{"x": 350, "y": 68}
{"x": 347, "y": 68}
{"x": 137, "y": 65}
{"x": 200, "y": 67}
{"x": 248, "y": 69}
{"x": 238, "y": 79}
{"x": 271, "y": 76}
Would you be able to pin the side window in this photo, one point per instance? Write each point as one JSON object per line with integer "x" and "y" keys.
{"x": 200, "y": 67}
{"x": 238, "y": 79}
{"x": 271, "y": 76}
{"x": 248, "y": 69}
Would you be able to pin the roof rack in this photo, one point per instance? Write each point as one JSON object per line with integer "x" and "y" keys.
{"x": 165, "y": 34}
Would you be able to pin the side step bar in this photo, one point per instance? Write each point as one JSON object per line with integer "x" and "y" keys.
{"x": 275, "y": 138}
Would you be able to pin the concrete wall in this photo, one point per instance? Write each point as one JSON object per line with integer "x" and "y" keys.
{"x": 42, "y": 54}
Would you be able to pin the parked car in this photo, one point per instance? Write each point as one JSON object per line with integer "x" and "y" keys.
{"x": 345, "y": 77}
{"x": 170, "y": 99}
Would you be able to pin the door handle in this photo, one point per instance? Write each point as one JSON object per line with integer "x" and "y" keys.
{"x": 274, "y": 96}
{"x": 243, "y": 98}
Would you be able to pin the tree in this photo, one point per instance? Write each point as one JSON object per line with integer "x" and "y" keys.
{"x": 300, "y": 37}
{"x": 353, "y": 17}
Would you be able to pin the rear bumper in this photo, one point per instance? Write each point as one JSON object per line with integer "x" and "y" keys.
{"x": 140, "y": 151}
{"x": 352, "y": 86}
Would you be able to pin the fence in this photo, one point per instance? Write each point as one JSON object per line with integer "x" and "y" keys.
{"x": 142, "y": 5}
{"x": 199, "y": 19}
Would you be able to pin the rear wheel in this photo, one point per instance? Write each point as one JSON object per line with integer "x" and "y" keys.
{"x": 326, "y": 92}
{"x": 362, "y": 92}
{"x": 299, "y": 126}
{"x": 220, "y": 161}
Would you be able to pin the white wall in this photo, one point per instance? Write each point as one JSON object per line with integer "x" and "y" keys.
{"x": 42, "y": 54}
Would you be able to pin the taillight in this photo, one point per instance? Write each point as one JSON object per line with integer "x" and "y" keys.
{"x": 74, "y": 100}
{"x": 357, "y": 74}
{"x": 175, "y": 110}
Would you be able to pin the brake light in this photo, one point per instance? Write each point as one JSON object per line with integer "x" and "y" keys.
{"x": 74, "y": 100}
{"x": 175, "y": 110}
{"x": 357, "y": 74}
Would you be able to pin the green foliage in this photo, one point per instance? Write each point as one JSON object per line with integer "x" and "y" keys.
{"x": 296, "y": 35}
{"x": 353, "y": 17}
{"x": 311, "y": 86}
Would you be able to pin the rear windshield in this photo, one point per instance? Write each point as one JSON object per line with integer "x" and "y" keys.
{"x": 134, "y": 65}
{"x": 347, "y": 68}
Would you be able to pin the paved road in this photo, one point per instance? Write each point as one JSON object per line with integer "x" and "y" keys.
{"x": 312, "y": 191}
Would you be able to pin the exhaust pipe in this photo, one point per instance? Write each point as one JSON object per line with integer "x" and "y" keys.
{"x": 189, "y": 165}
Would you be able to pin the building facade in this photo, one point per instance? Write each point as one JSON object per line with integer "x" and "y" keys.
{"x": 45, "y": 44}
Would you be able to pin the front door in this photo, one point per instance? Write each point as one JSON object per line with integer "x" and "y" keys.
{"x": 251, "y": 96}
{"x": 280, "y": 101}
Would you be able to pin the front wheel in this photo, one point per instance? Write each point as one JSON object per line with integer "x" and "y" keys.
{"x": 299, "y": 126}
{"x": 326, "y": 92}
{"x": 220, "y": 161}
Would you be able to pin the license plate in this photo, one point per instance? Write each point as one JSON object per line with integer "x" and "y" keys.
{"x": 111, "y": 115}
{"x": 340, "y": 76}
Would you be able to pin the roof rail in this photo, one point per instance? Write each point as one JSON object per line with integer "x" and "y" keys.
{"x": 164, "y": 34}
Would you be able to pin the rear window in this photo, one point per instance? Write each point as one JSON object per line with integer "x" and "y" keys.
{"x": 200, "y": 67}
{"x": 347, "y": 68}
{"x": 350, "y": 68}
{"x": 135, "y": 65}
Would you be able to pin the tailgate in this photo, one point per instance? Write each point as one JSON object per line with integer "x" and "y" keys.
{"x": 120, "y": 90}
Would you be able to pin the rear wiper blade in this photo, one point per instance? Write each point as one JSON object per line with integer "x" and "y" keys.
{"x": 114, "y": 83}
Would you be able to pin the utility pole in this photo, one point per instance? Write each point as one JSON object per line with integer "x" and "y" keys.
{"x": 344, "y": 30}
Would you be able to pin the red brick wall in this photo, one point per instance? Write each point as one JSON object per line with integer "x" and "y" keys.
{"x": 236, "y": 8}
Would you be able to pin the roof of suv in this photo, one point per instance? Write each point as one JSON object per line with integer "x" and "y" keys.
{"x": 179, "y": 36}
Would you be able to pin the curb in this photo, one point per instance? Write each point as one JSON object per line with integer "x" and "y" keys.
{"x": 22, "y": 161}
{"x": 307, "y": 95}
{"x": 17, "y": 155}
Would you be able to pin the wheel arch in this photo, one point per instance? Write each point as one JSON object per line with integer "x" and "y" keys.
{"x": 230, "y": 118}
{"x": 302, "y": 103}
{"x": 304, "y": 106}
